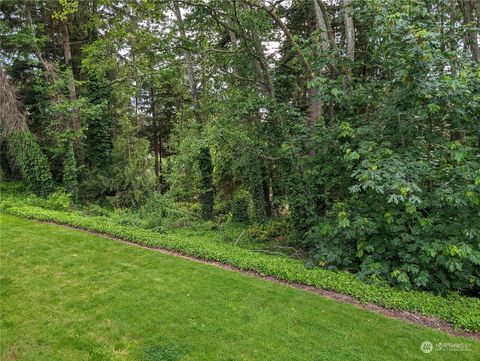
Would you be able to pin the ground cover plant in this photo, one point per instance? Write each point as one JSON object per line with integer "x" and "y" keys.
{"x": 62, "y": 298}
{"x": 461, "y": 311}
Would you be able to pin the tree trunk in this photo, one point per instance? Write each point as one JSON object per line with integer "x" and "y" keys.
{"x": 471, "y": 40}
{"x": 71, "y": 80}
{"x": 327, "y": 43}
{"x": 261, "y": 66}
{"x": 155, "y": 135}
{"x": 327, "y": 25}
{"x": 321, "y": 26}
{"x": 160, "y": 169}
{"x": 349, "y": 30}
{"x": 205, "y": 158}
{"x": 187, "y": 58}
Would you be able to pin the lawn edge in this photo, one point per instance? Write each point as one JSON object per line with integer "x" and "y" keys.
{"x": 162, "y": 243}
{"x": 410, "y": 317}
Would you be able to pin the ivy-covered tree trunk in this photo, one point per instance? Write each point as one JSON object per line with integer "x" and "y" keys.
{"x": 32, "y": 162}
{"x": 259, "y": 190}
{"x": 22, "y": 145}
{"x": 6, "y": 171}
{"x": 70, "y": 181}
{"x": 300, "y": 198}
{"x": 72, "y": 90}
{"x": 99, "y": 130}
{"x": 207, "y": 195}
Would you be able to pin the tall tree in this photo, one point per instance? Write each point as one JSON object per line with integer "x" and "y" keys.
{"x": 205, "y": 160}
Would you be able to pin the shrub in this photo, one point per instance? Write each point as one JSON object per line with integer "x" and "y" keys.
{"x": 272, "y": 231}
{"x": 240, "y": 204}
{"x": 222, "y": 210}
{"x": 93, "y": 209}
{"x": 407, "y": 221}
{"x": 160, "y": 210}
{"x": 59, "y": 201}
{"x": 129, "y": 179}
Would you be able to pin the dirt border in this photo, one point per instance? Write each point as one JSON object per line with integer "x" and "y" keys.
{"x": 412, "y": 317}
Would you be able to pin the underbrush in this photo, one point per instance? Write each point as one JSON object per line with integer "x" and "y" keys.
{"x": 162, "y": 214}
{"x": 216, "y": 242}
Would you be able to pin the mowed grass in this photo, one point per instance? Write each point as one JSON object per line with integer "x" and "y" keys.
{"x": 70, "y": 295}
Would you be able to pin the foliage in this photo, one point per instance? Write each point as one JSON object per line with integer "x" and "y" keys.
{"x": 207, "y": 193}
{"x": 129, "y": 179}
{"x": 99, "y": 131}
{"x": 256, "y": 183}
{"x": 410, "y": 165}
{"x": 32, "y": 162}
{"x": 162, "y": 210}
{"x": 300, "y": 197}
{"x": 70, "y": 177}
{"x": 240, "y": 205}
{"x": 272, "y": 231}
{"x": 59, "y": 200}
{"x": 463, "y": 312}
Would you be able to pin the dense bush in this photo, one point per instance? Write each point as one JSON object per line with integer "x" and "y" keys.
{"x": 129, "y": 179}
{"x": 159, "y": 211}
{"x": 272, "y": 231}
{"x": 409, "y": 220}
{"x": 59, "y": 200}
{"x": 461, "y": 311}
{"x": 240, "y": 205}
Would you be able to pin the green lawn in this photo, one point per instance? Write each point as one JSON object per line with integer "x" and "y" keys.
{"x": 69, "y": 295}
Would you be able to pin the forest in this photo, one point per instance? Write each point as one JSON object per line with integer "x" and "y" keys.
{"x": 332, "y": 146}
{"x": 342, "y": 134}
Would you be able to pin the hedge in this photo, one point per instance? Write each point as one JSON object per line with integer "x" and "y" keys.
{"x": 462, "y": 312}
